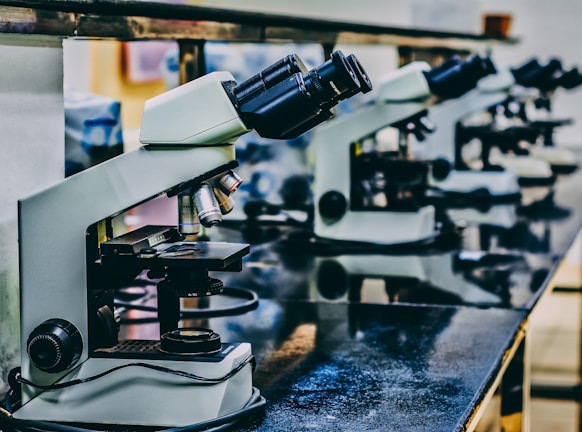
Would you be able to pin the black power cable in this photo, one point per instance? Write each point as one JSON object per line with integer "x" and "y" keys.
{"x": 256, "y": 401}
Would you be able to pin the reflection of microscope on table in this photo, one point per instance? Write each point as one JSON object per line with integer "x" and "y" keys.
{"x": 434, "y": 278}
{"x": 366, "y": 194}
{"x": 74, "y": 369}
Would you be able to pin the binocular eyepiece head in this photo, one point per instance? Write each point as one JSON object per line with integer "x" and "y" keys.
{"x": 286, "y": 99}
{"x": 570, "y": 79}
{"x": 543, "y": 77}
{"x": 456, "y": 77}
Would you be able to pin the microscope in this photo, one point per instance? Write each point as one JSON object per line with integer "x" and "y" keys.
{"x": 362, "y": 192}
{"x": 445, "y": 145}
{"x": 488, "y": 115}
{"x": 74, "y": 367}
{"x": 530, "y": 107}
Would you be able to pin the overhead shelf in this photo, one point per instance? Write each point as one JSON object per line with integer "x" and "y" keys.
{"x": 139, "y": 20}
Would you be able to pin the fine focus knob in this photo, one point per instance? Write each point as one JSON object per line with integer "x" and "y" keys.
{"x": 55, "y": 345}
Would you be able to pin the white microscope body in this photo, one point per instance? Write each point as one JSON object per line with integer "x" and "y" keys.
{"x": 442, "y": 143}
{"x": 63, "y": 231}
{"x": 403, "y": 94}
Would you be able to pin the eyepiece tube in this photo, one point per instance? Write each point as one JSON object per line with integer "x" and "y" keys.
{"x": 535, "y": 75}
{"x": 363, "y": 78}
{"x": 285, "y": 108}
{"x": 522, "y": 72}
{"x": 337, "y": 76}
{"x": 456, "y": 77}
{"x": 570, "y": 79}
{"x": 268, "y": 77}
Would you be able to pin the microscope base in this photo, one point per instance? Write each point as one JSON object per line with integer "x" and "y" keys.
{"x": 498, "y": 215}
{"x": 562, "y": 161}
{"x": 497, "y": 184}
{"x": 382, "y": 227}
{"x": 139, "y": 396}
{"x": 530, "y": 170}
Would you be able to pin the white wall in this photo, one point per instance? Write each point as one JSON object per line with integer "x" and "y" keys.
{"x": 32, "y": 145}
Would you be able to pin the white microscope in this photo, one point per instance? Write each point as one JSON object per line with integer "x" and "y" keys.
{"x": 367, "y": 195}
{"x": 445, "y": 146}
{"x": 530, "y": 107}
{"x": 74, "y": 369}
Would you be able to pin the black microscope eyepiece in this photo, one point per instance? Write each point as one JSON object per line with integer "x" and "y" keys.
{"x": 570, "y": 79}
{"x": 268, "y": 77}
{"x": 363, "y": 78}
{"x": 455, "y": 77}
{"x": 285, "y": 99}
{"x": 533, "y": 74}
{"x": 523, "y": 72}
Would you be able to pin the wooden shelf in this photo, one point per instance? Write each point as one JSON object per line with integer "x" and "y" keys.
{"x": 139, "y": 20}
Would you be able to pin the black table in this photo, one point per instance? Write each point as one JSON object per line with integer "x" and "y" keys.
{"x": 426, "y": 342}
{"x": 420, "y": 343}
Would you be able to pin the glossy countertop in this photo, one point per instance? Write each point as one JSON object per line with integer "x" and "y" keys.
{"x": 348, "y": 367}
{"x": 392, "y": 339}
{"x": 384, "y": 339}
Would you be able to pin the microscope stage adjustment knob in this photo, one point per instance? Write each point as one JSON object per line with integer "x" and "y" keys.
{"x": 55, "y": 345}
{"x": 333, "y": 205}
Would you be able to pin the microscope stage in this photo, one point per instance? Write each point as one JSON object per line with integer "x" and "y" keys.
{"x": 161, "y": 245}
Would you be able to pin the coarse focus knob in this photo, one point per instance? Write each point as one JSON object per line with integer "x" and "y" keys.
{"x": 55, "y": 345}
{"x": 333, "y": 205}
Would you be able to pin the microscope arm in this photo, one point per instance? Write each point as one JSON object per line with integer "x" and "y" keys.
{"x": 332, "y": 141}
{"x": 492, "y": 90}
{"x": 405, "y": 84}
{"x": 53, "y": 224}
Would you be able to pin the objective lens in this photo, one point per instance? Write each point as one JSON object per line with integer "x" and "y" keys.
{"x": 225, "y": 202}
{"x": 208, "y": 211}
{"x": 188, "y": 222}
{"x": 229, "y": 182}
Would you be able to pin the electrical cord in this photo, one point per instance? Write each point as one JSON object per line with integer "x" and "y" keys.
{"x": 256, "y": 401}
{"x": 200, "y": 379}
